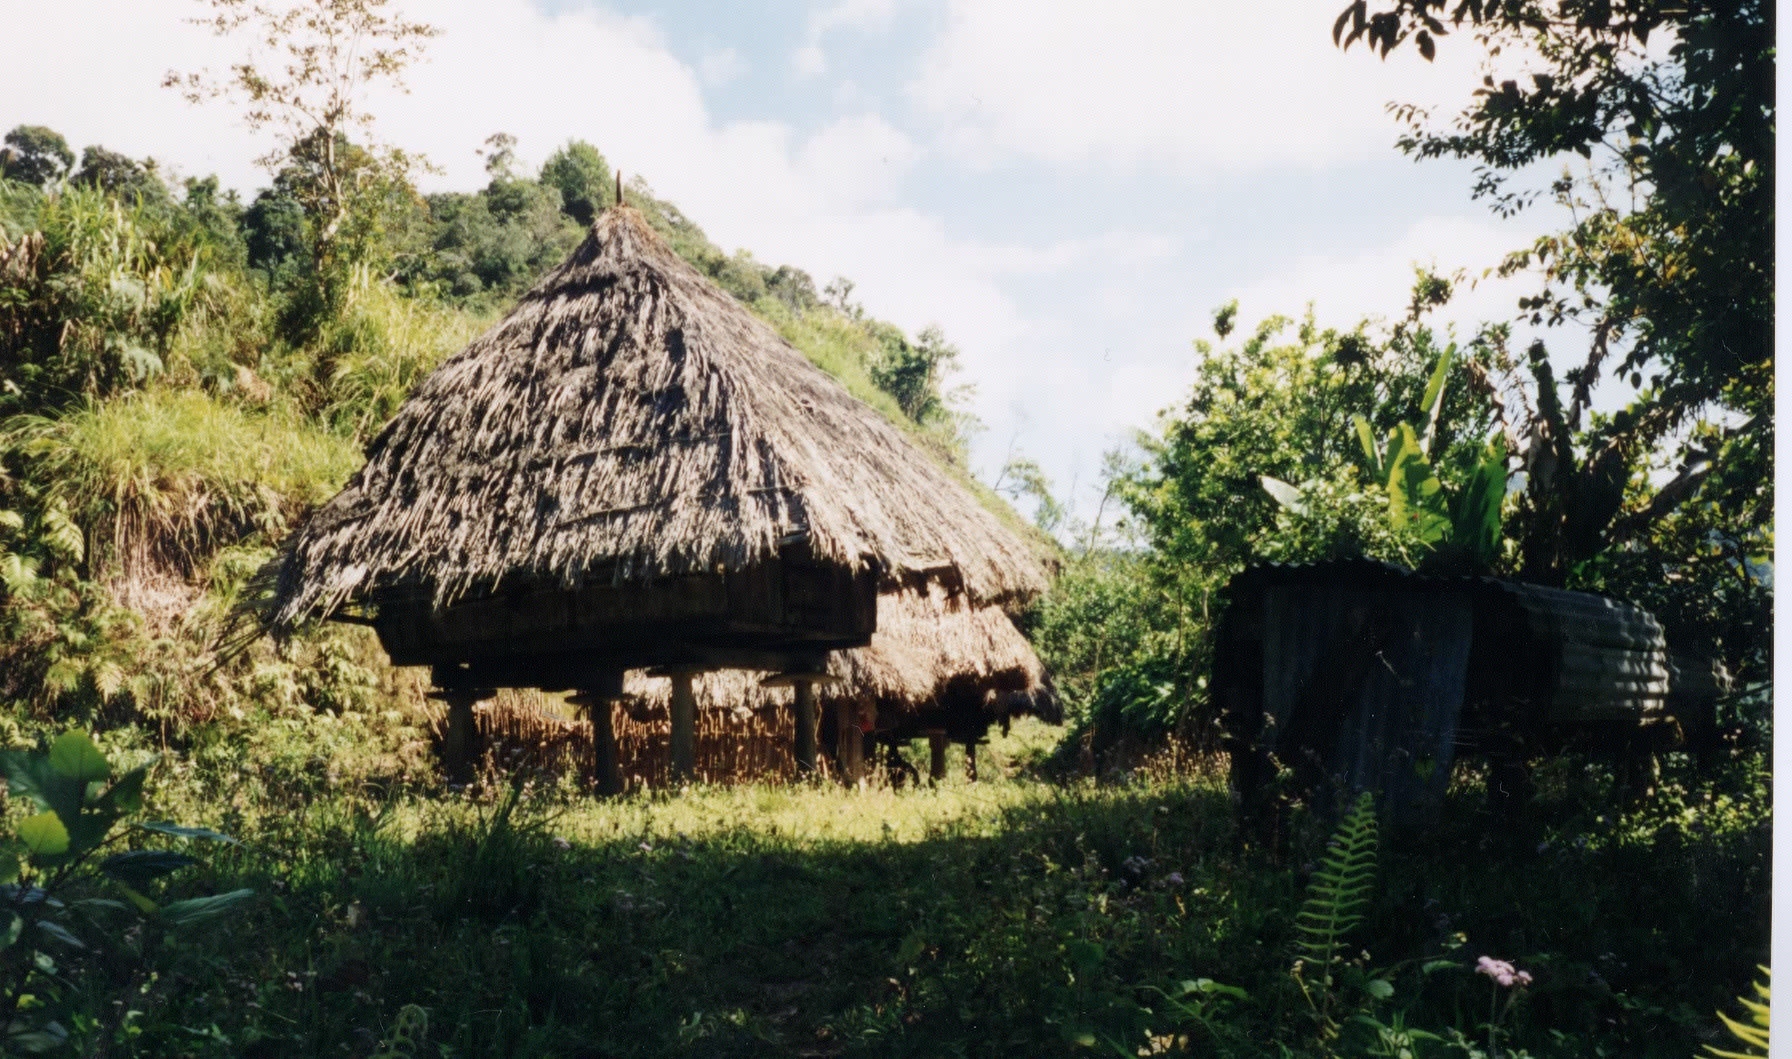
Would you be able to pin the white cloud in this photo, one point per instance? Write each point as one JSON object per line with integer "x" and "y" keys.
{"x": 809, "y": 60}
{"x": 1201, "y": 86}
{"x": 1377, "y": 281}
{"x": 718, "y": 66}
{"x": 864, "y": 16}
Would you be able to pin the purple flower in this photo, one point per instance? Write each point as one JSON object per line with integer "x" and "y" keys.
{"x": 1174, "y": 878}
{"x": 1502, "y": 972}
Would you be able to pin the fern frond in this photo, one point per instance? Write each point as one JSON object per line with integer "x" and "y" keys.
{"x": 1341, "y": 887}
{"x": 1752, "y": 1036}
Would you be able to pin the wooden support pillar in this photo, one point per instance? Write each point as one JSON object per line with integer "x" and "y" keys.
{"x": 684, "y": 726}
{"x": 803, "y": 681}
{"x": 599, "y": 702}
{"x": 936, "y": 745}
{"x": 457, "y": 733}
{"x": 970, "y": 761}
{"x": 806, "y": 722}
{"x": 849, "y": 746}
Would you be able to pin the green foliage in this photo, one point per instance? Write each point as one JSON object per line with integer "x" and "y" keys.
{"x": 409, "y": 1031}
{"x": 91, "y": 301}
{"x": 911, "y": 371}
{"x": 1272, "y": 457}
{"x": 1336, "y": 900}
{"x": 1752, "y": 1034}
{"x": 56, "y": 928}
{"x": 35, "y": 156}
{"x": 161, "y": 480}
{"x": 378, "y": 350}
{"x": 582, "y": 177}
{"x": 1661, "y": 280}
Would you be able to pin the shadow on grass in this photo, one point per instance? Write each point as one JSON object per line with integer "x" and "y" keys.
{"x": 1021, "y": 932}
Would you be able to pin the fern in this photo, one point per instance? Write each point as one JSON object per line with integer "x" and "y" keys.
{"x": 407, "y": 1035}
{"x": 1334, "y": 905}
{"x": 1752, "y": 1034}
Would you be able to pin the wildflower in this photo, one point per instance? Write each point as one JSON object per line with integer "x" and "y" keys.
{"x": 561, "y": 843}
{"x": 1502, "y": 972}
{"x": 1174, "y": 878}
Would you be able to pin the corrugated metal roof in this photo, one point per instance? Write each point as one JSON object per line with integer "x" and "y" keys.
{"x": 1603, "y": 659}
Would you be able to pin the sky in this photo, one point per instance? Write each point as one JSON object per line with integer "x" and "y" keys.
{"x": 1067, "y": 189}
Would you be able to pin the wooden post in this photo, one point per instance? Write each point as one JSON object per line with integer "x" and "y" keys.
{"x": 684, "y": 727}
{"x": 803, "y": 679}
{"x": 936, "y": 744}
{"x": 606, "y": 759}
{"x": 599, "y": 703}
{"x": 849, "y": 745}
{"x": 970, "y": 761}
{"x": 457, "y": 736}
{"x": 805, "y": 727}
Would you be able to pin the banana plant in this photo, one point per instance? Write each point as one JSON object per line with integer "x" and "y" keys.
{"x": 1460, "y": 528}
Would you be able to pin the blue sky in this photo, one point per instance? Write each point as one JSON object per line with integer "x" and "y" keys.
{"x": 1067, "y": 189}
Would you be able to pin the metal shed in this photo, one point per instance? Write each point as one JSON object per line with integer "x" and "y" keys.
{"x": 1362, "y": 675}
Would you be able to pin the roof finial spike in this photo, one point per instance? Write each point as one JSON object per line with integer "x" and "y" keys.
{"x": 618, "y": 187}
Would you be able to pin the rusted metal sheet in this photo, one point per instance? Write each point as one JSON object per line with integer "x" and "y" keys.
{"x": 1369, "y": 682}
{"x": 1605, "y": 660}
{"x": 1364, "y": 675}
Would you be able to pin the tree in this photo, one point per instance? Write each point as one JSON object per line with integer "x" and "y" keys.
{"x": 912, "y": 372}
{"x": 35, "y": 155}
{"x": 332, "y": 51}
{"x": 1666, "y": 268}
{"x": 119, "y": 176}
{"x": 583, "y": 179}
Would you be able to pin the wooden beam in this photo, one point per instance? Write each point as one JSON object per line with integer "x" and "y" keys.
{"x": 457, "y": 736}
{"x": 684, "y": 726}
{"x": 806, "y": 718}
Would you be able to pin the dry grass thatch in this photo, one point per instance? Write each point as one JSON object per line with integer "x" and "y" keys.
{"x": 525, "y": 729}
{"x": 932, "y": 651}
{"x": 936, "y": 661}
{"x": 628, "y": 420}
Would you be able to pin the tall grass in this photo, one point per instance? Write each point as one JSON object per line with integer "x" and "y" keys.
{"x": 379, "y": 348}
{"x": 159, "y": 480}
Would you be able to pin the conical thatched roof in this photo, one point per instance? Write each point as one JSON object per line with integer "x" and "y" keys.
{"x": 628, "y": 420}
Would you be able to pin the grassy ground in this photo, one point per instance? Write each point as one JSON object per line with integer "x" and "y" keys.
{"x": 1010, "y": 917}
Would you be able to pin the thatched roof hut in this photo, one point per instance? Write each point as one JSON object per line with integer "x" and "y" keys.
{"x": 630, "y": 463}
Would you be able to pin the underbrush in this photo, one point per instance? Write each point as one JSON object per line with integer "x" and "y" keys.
{"x": 1007, "y": 917}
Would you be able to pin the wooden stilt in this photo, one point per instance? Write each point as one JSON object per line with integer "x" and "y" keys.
{"x": 803, "y": 679}
{"x": 606, "y": 759}
{"x": 806, "y": 719}
{"x": 457, "y": 736}
{"x": 936, "y": 744}
{"x": 684, "y": 727}
{"x": 970, "y": 761}
{"x": 599, "y": 704}
{"x": 849, "y": 746}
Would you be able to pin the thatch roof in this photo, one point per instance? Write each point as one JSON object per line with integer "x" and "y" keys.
{"x": 630, "y": 420}
{"x": 932, "y": 650}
